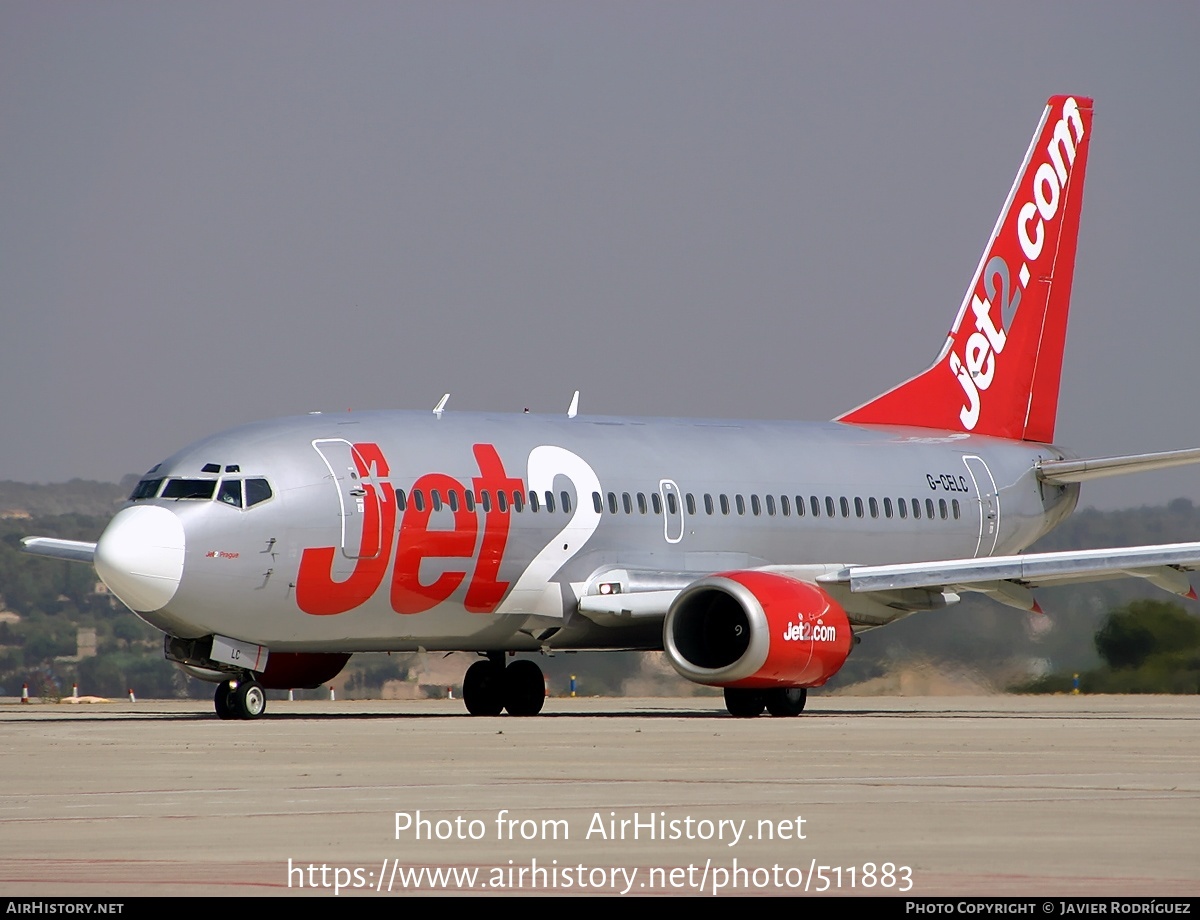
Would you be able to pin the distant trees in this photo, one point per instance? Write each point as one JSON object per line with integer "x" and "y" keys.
{"x": 1148, "y": 646}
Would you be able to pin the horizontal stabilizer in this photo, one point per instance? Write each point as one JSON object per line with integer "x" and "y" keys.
{"x": 73, "y": 550}
{"x": 1061, "y": 472}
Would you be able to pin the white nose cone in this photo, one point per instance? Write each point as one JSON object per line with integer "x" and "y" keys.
{"x": 140, "y": 556}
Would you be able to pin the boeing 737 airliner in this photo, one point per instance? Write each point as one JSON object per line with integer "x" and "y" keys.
{"x": 750, "y": 552}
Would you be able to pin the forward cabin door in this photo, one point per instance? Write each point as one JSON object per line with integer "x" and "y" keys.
{"x": 357, "y": 496}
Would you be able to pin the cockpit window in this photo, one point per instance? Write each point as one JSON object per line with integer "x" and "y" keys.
{"x": 190, "y": 488}
{"x": 147, "y": 488}
{"x": 257, "y": 490}
{"x": 230, "y": 492}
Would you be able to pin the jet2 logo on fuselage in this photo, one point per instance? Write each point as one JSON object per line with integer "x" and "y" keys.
{"x": 320, "y": 594}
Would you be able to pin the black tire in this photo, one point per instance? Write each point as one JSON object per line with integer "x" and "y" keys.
{"x": 223, "y": 703}
{"x": 249, "y": 700}
{"x": 524, "y": 688}
{"x": 744, "y": 704}
{"x": 483, "y": 688}
{"x": 788, "y": 701}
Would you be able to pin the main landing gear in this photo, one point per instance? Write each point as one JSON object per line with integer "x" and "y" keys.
{"x": 240, "y": 699}
{"x": 489, "y": 687}
{"x": 746, "y": 704}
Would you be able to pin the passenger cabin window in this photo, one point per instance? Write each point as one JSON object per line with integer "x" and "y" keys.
{"x": 597, "y": 502}
{"x": 566, "y": 502}
{"x": 612, "y": 502}
{"x": 656, "y": 502}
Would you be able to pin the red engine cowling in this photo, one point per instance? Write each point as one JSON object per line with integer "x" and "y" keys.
{"x": 756, "y": 630}
{"x": 301, "y": 670}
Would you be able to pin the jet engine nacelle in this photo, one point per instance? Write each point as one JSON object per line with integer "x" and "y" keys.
{"x": 756, "y": 630}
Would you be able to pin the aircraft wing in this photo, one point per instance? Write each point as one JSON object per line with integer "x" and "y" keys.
{"x": 1009, "y": 579}
{"x": 876, "y": 594}
{"x": 72, "y": 550}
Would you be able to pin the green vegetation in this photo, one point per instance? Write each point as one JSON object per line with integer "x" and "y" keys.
{"x": 1148, "y": 646}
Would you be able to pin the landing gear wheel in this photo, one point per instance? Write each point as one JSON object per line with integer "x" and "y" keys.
{"x": 786, "y": 702}
{"x": 249, "y": 700}
{"x": 745, "y": 704}
{"x": 483, "y": 688}
{"x": 223, "y": 702}
{"x": 524, "y": 688}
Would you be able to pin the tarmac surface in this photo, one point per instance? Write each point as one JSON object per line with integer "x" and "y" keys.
{"x": 1001, "y": 796}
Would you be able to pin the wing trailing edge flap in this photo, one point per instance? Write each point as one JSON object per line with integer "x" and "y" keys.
{"x": 1061, "y": 472}
{"x": 72, "y": 550}
{"x": 1008, "y": 579}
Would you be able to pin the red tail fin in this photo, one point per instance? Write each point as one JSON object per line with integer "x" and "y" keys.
{"x": 998, "y": 372}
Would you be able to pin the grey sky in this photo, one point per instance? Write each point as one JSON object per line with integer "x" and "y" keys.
{"x": 216, "y": 212}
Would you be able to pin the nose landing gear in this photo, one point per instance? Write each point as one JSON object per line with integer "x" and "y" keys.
{"x": 240, "y": 699}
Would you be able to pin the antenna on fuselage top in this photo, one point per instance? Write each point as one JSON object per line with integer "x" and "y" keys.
{"x": 441, "y": 406}
{"x": 573, "y": 410}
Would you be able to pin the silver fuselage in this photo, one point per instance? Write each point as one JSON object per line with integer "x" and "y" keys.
{"x": 690, "y": 496}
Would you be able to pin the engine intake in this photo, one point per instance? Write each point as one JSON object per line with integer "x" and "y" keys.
{"x": 756, "y": 629}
